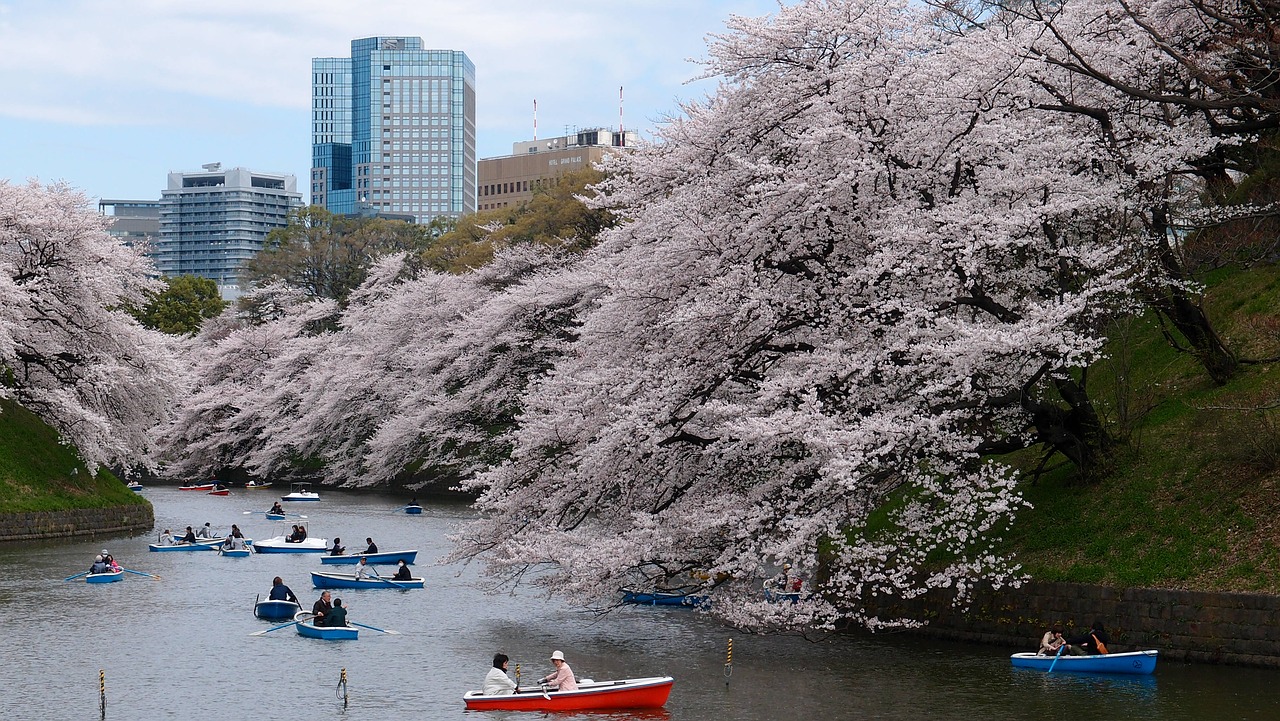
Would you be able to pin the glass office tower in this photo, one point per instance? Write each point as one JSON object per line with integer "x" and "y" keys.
{"x": 393, "y": 130}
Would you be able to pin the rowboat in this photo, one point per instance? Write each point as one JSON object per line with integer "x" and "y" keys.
{"x": 134, "y": 486}
{"x": 275, "y": 516}
{"x": 1135, "y": 662}
{"x": 301, "y": 492}
{"x": 413, "y": 509}
{"x": 204, "y": 544}
{"x": 275, "y": 610}
{"x": 348, "y": 580}
{"x": 109, "y": 577}
{"x": 257, "y": 484}
{"x": 328, "y": 633}
{"x": 278, "y": 544}
{"x": 630, "y": 693}
{"x": 220, "y": 492}
{"x": 235, "y": 552}
{"x": 197, "y": 487}
{"x": 661, "y": 598}
{"x": 386, "y": 558}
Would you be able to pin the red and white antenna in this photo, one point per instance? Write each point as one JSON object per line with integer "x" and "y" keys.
{"x": 535, "y": 118}
{"x": 622, "y": 132}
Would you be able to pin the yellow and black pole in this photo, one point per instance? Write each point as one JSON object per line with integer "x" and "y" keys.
{"x": 102, "y": 691}
{"x": 342, "y": 687}
{"x": 728, "y": 663}
{"x": 517, "y": 675}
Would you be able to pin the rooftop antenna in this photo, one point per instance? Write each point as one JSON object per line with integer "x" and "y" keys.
{"x": 212, "y": 167}
{"x": 535, "y": 119}
{"x": 622, "y": 132}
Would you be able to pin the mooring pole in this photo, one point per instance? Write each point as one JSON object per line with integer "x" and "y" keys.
{"x": 728, "y": 663}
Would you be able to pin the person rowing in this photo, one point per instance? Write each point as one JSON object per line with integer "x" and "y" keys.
{"x": 276, "y": 509}
{"x": 562, "y": 679}
{"x": 338, "y": 549}
{"x": 281, "y": 592}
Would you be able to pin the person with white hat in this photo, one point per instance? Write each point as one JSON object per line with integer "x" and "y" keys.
{"x": 562, "y": 679}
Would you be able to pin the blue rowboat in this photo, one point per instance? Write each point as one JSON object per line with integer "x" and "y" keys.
{"x": 275, "y": 610}
{"x": 209, "y": 544}
{"x": 386, "y": 558}
{"x": 413, "y": 509}
{"x": 275, "y": 516}
{"x": 301, "y": 492}
{"x": 135, "y": 486}
{"x": 109, "y": 577}
{"x": 661, "y": 598}
{"x": 235, "y": 553}
{"x": 328, "y": 633}
{"x": 348, "y": 580}
{"x": 1134, "y": 662}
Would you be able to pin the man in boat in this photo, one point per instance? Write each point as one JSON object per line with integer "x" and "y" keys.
{"x": 363, "y": 569}
{"x": 562, "y": 679}
{"x": 1094, "y": 641}
{"x": 205, "y": 532}
{"x": 281, "y": 592}
{"x": 337, "y": 616}
{"x": 373, "y": 547}
{"x": 99, "y": 566}
{"x": 296, "y": 536}
{"x": 321, "y": 608}
{"x": 338, "y": 549}
{"x": 276, "y": 509}
{"x": 498, "y": 683}
{"x": 190, "y": 537}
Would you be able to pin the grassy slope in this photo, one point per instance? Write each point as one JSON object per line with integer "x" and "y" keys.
{"x": 1195, "y": 493}
{"x": 37, "y": 473}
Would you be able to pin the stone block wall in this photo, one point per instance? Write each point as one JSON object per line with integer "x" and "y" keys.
{"x": 76, "y": 522}
{"x": 1231, "y": 628}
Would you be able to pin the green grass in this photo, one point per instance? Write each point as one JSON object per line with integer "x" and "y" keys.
{"x": 38, "y": 473}
{"x": 1195, "y": 486}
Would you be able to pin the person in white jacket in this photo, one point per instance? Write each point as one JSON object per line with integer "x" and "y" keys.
{"x": 497, "y": 683}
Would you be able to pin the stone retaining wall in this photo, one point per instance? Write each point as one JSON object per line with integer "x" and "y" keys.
{"x": 76, "y": 522}
{"x": 1230, "y": 628}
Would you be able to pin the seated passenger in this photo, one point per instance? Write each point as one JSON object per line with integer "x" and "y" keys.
{"x": 498, "y": 683}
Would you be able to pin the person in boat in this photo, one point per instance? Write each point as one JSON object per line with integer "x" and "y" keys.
{"x": 280, "y": 592}
{"x": 338, "y": 549}
{"x": 373, "y": 547}
{"x": 206, "y": 531}
{"x": 295, "y": 536}
{"x": 498, "y": 683}
{"x": 363, "y": 569}
{"x": 99, "y": 565}
{"x": 562, "y": 679}
{"x": 302, "y": 533}
{"x": 167, "y": 538}
{"x": 337, "y": 616}
{"x": 1092, "y": 642}
{"x": 276, "y": 509}
{"x": 110, "y": 560}
{"x": 321, "y": 608}
{"x": 1052, "y": 641}
{"x": 235, "y": 540}
{"x": 402, "y": 572}
{"x": 190, "y": 537}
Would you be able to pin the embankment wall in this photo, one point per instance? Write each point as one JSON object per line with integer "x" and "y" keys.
{"x": 76, "y": 522}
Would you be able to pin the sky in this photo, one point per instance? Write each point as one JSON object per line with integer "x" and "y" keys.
{"x": 110, "y": 96}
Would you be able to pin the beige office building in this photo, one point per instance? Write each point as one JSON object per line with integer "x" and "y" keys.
{"x": 511, "y": 179}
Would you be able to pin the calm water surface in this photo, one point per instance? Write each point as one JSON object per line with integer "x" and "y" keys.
{"x": 179, "y": 648}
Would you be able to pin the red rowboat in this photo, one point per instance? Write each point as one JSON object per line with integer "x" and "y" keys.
{"x": 198, "y": 487}
{"x": 220, "y": 492}
{"x": 591, "y": 696}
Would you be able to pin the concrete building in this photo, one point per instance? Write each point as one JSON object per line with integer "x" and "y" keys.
{"x": 394, "y": 130}
{"x": 511, "y": 179}
{"x": 136, "y": 222}
{"x": 213, "y": 221}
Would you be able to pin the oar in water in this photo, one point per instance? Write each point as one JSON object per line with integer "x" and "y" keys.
{"x": 78, "y": 575}
{"x": 400, "y": 586}
{"x": 375, "y": 628}
{"x": 1056, "y": 656}
{"x": 140, "y": 573}
{"x": 275, "y": 628}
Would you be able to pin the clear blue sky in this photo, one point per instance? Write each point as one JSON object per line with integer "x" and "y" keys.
{"x": 111, "y": 95}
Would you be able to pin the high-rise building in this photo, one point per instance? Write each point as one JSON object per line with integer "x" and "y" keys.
{"x": 393, "y": 130}
{"x": 512, "y": 179}
{"x": 136, "y": 222}
{"x": 213, "y": 221}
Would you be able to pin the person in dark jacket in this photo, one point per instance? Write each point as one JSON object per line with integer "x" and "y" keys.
{"x": 1094, "y": 641}
{"x": 338, "y": 549}
{"x": 402, "y": 573}
{"x": 337, "y": 616}
{"x": 321, "y": 609}
{"x": 281, "y": 592}
{"x": 373, "y": 547}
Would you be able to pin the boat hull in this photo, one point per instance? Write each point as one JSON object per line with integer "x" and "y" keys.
{"x": 135, "y": 487}
{"x": 111, "y": 577}
{"x": 346, "y": 580}
{"x": 632, "y": 693}
{"x": 275, "y": 516}
{"x": 386, "y": 558}
{"x": 201, "y": 487}
{"x": 301, "y": 497}
{"x": 335, "y": 633}
{"x": 223, "y": 492}
{"x": 413, "y": 510}
{"x": 1133, "y": 662}
{"x": 257, "y": 485}
{"x": 275, "y": 610}
{"x": 235, "y": 553}
{"x": 661, "y": 598}
{"x": 162, "y": 547}
{"x": 277, "y": 544}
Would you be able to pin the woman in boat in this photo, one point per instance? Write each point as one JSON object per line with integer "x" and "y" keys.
{"x": 1052, "y": 640}
{"x": 402, "y": 572}
{"x": 498, "y": 683}
{"x": 338, "y": 549}
{"x": 167, "y": 538}
{"x": 110, "y": 560}
{"x": 562, "y": 679}
{"x": 281, "y": 592}
{"x": 295, "y": 536}
{"x": 235, "y": 539}
{"x": 373, "y": 547}
{"x": 321, "y": 608}
{"x": 276, "y": 509}
{"x": 302, "y": 533}
{"x": 99, "y": 566}
{"x": 337, "y": 616}
{"x": 1094, "y": 641}
{"x": 190, "y": 537}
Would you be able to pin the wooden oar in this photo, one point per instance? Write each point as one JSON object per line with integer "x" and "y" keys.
{"x": 140, "y": 573}
{"x": 1056, "y": 656}
{"x": 375, "y": 628}
{"x": 276, "y": 628}
{"x": 78, "y": 575}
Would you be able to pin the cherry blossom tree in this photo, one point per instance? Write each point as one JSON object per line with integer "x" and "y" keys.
{"x": 68, "y": 350}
